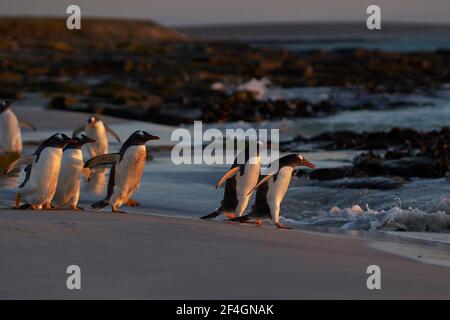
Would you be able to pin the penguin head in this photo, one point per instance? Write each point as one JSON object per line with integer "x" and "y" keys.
{"x": 93, "y": 120}
{"x": 295, "y": 160}
{"x": 78, "y": 141}
{"x": 4, "y": 105}
{"x": 58, "y": 140}
{"x": 85, "y": 139}
{"x": 141, "y": 137}
{"x": 303, "y": 162}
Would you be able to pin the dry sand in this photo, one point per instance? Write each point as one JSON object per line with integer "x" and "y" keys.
{"x": 152, "y": 257}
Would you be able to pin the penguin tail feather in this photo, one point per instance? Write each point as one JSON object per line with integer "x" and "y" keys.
{"x": 211, "y": 215}
{"x": 99, "y": 205}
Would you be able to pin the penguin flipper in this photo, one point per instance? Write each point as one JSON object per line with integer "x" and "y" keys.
{"x": 260, "y": 183}
{"x": 112, "y": 132}
{"x": 103, "y": 159}
{"x": 211, "y": 215}
{"x": 26, "y": 160}
{"x": 26, "y": 124}
{"x": 99, "y": 204}
{"x": 230, "y": 173}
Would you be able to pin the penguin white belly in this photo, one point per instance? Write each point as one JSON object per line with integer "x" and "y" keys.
{"x": 277, "y": 190}
{"x": 98, "y": 133}
{"x": 41, "y": 186}
{"x": 128, "y": 174}
{"x": 245, "y": 183}
{"x": 68, "y": 189}
{"x": 10, "y": 135}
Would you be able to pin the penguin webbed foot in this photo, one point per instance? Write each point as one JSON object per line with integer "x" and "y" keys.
{"x": 247, "y": 219}
{"x": 115, "y": 210}
{"x": 25, "y": 206}
{"x": 211, "y": 215}
{"x": 47, "y": 206}
{"x": 132, "y": 203}
{"x": 99, "y": 205}
{"x": 230, "y": 216}
{"x": 282, "y": 226}
{"x": 241, "y": 219}
{"x": 77, "y": 208}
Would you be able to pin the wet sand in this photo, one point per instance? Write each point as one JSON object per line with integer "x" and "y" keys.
{"x": 152, "y": 257}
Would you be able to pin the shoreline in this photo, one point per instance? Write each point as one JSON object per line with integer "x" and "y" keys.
{"x": 147, "y": 256}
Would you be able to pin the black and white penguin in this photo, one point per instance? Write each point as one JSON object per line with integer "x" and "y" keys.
{"x": 240, "y": 180}
{"x": 272, "y": 188}
{"x": 42, "y": 171}
{"x": 10, "y": 135}
{"x": 126, "y": 171}
{"x": 97, "y": 129}
{"x": 68, "y": 190}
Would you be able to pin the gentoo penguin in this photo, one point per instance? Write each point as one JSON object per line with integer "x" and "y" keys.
{"x": 10, "y": 136}
{"x": 126, "y": 171}
{"x": 42, "y": 171}
{"x": 68, "y": 189}
{"x": 272, "y": 188}
{"x": 97, "y": 129}
{"x": 240, "y": 180}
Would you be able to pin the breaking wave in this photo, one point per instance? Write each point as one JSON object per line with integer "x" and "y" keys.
{"x": 394, "y": 219}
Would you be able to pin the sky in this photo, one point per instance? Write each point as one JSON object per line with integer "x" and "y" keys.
{"x": 198, "y": 12}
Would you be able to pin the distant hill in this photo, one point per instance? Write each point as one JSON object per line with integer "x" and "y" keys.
{"x": 92, "y": 29}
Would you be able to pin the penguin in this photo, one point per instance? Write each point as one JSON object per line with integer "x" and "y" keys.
{"x": 10, "y": 135}
{"x": 271, "y": 190}
{"x": 42, "y": 171}
{"x": 97, "y": 129}
{"x": 126, "y": 171}
{"x": 68, "y": 189}
{"x": 240, "y": 180}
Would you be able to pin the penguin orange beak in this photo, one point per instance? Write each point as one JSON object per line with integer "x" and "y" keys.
{"x": 308, "y": 164}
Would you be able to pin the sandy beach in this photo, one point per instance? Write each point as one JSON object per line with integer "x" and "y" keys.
{"x": 150, "y": 257}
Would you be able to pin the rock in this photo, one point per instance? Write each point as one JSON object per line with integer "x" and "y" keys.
{"x": 330, "y": 173}
{"x": 62, "y": 102}
{"x": 419, "y": 167}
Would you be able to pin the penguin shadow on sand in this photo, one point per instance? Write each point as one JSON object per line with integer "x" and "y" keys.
{"x": 270, "y": 191}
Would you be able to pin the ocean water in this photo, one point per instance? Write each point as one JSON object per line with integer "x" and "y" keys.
{"x": 398, "y": 42}
{"x": 300, "y": 37}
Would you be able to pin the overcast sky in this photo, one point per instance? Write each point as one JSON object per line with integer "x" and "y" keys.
{"x": 188, "y": 12}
